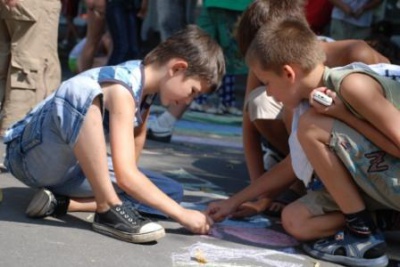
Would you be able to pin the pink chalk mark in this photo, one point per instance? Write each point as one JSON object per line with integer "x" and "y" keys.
{"x": 262, "y": 236}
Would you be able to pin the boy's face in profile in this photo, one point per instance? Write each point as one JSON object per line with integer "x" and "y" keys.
{"x": 279, "y": 86}
{"x": 181, "y": 89}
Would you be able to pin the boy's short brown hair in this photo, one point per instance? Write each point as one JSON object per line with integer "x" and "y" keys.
{"x": 285, "y": 42}
{"x": 202, "y": 53}
{"x": 260, "y": 12}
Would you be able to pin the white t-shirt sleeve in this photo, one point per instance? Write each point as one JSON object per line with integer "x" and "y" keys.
{"x": 301, "y": 166}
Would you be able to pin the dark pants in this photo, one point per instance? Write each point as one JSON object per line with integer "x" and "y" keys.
{"x": 123, "y": 25}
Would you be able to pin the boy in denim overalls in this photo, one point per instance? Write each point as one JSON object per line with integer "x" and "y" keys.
{"x": 61, "y": 144}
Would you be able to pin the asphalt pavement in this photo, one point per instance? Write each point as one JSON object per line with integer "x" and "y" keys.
{"x": 207, "y": 171}
{"x": 207, "y": 158}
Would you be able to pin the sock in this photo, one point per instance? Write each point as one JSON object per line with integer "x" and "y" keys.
{"x": 166, "y": 120}
{"x": 360, "y": 223}
{"x": 62, "y": 205}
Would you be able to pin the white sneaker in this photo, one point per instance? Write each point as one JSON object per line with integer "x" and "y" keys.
{"x": 158, "y": 133}
{"x": 125, "y": 223}
{"x": 232, "y": 110}
{"x": 271, "y": 158}
{"x": 45, "y": 203}
{"x": 194, "y": 106}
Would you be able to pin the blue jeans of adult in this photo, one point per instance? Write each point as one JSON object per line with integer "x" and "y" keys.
{"x": 123, "y": 25}
{"x": 174, "y": 15}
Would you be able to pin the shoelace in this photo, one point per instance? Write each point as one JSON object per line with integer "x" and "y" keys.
{"x": 132, "y": 212}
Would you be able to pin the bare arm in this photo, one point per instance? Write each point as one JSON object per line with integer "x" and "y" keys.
{"x": 251, "y": 137}
{"x": 252, "y": 149}
{"x": 365, "y": 96}
{"x": 271, "y": 129}
{"x": 343, "y": 52}
{"x": 269, "y": 185}
{"x": 140, "y": 135}
{"x": 129, "y": 178}
{"x": 95, "y": 29}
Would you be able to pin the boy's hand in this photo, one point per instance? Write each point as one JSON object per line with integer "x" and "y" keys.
{"x": 337, "y": 109}
{"x": 249, "y": 209}
{"x": 219, "y": 210}
{"x": 196, "y": 221}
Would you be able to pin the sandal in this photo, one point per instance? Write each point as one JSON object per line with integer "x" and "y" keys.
{"x": 348, "y": 249}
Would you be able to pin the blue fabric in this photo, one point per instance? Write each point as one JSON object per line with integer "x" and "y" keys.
{"x": 40, "y": 146}
{"x": 174, "y": 15}
{"x": 170, "y": 187}
{"x": 123, "y": 25}
{"x": 129, "y": 74}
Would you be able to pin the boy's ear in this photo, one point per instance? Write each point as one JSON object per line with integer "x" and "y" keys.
{"x": 178, "y": 65}
{"x": 289, "y": 73}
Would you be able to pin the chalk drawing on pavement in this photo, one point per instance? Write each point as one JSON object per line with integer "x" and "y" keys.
{"x": 203, "y": 254}
{"x": 194, "y": 183}
{"x": 254, "y": 230}
{"x": 258, "y": 236}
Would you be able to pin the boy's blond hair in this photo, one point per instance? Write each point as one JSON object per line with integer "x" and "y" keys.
{"x": 202, "y": 53}
{"x": 284, "y": 42}
{"x": 260, "y": 12}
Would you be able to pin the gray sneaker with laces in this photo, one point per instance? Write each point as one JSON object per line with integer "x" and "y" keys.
{"x": 125, "y": 223}
{"x": 159, "y": 133}
{"x": 45, "y": 203}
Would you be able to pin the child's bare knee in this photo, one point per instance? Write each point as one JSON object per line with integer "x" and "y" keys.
{"x": 294, "y": 221}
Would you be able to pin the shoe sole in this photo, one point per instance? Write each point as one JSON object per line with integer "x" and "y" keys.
{"x": 348, "y": 261}
{"x": 157, "y": 137}
{"x": 39, "y": 204}
{"x": 129, "y": 237}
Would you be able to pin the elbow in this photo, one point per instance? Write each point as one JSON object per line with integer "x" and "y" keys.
{"x": 122, "y": 184}
{"x": 125, "y": 179}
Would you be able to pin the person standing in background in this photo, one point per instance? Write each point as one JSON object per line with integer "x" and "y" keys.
{"x": 218, "y": 19}
{"x": 100, "y": 59}
{"x": 174, "y": 15}
{"x": 124, "y": 19}
{"x": 70, "y": 10}
{"x": 318, "y": 15}
{"x": 29, "y": 64}
{"x": 352, "y": 19}
{"x": 96, "y": 23}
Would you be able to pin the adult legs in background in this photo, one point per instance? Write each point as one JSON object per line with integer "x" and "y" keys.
{"x": 95, "y": 29}
{"x": 122, "y": 22}
{"x": 174, "y": 15}
{"x": 30, "y": 68}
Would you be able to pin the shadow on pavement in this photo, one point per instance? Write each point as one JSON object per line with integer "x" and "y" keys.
{"x": 15, "y": 201}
